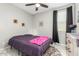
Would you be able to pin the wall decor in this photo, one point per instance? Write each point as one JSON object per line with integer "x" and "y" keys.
{"x": 22, "y": 24}
{"x": 15, "y": 21}
{"x": 41, "y": 23}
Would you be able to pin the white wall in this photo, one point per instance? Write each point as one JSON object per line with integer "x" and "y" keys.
{"x": 47, "y": 19}
{"x": 8, "y": 28}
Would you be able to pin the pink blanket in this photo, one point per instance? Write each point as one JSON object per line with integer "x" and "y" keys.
{"x": 39, "y": 40}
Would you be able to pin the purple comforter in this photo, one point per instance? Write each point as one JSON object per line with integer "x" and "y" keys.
{"x": 23, "y": 44}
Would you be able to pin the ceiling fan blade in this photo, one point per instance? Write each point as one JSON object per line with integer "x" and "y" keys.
{"x": 36, "y": 9}
{"x": 30, "y": 4}
{"x": 43, "y": 5}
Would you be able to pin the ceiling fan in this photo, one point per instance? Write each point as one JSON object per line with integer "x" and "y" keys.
{"x": 37, "y": 5}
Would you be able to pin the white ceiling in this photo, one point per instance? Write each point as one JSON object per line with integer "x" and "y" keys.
{"x": 31, "y": 9}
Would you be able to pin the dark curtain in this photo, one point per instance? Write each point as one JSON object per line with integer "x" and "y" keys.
{"x": 55, "y": 30}
{"x": 69, "y": 19}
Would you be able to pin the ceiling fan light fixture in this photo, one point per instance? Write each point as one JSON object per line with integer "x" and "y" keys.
{"x": 37, "y": 5}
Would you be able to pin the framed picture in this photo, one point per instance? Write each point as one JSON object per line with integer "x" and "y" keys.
{"x": 22, "y": 24}
{"x": 78, "y": 17}
{"x": 41, "y": 23}
{"x": 15, "y": 21}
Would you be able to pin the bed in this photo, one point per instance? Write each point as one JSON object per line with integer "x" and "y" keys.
{"x": 22, "y": 44}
